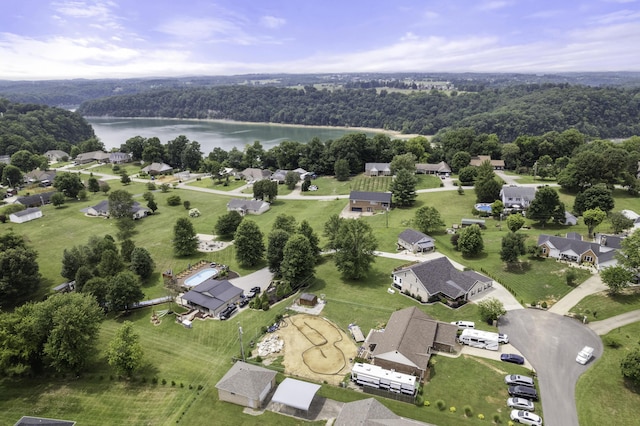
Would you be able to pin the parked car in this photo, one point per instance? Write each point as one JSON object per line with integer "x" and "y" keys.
{"x": 584, "y": 355}
{"x": 520, "y": 404}
{"x": 523, "y": 392}
{"x": 516, "y": 379}
{"x": 228, "y": 311}
{"x": 516, "y": 359}
{"x": 525, "y": 417}
{"x": 253, "y": 292}
{"x": 464, "y": 324}
{"x": 503, "y": 338}
{"x": 244, "y": 301}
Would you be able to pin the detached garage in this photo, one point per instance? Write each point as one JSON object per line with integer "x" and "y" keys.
{"x": 25, "y": 215}
{"x": 246, "y": 384}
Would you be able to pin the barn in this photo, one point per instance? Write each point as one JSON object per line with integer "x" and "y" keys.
{"x": 25, "y": 215}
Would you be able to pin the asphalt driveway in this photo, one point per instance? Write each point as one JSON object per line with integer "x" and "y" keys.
{"x": 550, "y": 342}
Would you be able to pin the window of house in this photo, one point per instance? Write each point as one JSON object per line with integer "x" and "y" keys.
{"x": 588, "y": 259}
{"x": 544, "y": 250}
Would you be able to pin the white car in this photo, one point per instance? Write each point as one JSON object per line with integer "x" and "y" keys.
{"x": 464, "y": 324}
{"x": 525, "y": 417}
{"x": 503, "y": 338}
{"x": 584, "y": 355}
{"x": 516, "y": 379}
{"x": 521, "y": 404}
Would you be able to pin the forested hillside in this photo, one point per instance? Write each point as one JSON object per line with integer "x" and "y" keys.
{"x": 39, "y": 128}
{"x": 508, "y": 112}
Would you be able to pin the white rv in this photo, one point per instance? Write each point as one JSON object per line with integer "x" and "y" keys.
{"x": 378, "y": 377}
{"x": 481, "y": 339}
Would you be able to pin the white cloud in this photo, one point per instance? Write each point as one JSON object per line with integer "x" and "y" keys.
{"x": 272, "y": 22}
{"x": 493, "y": 5}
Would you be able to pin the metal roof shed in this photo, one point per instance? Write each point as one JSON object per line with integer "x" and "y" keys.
{"x": 295, "y": 393}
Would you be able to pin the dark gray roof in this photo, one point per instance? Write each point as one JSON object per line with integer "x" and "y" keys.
{"x": 527, "y": 193}
{"x": 412, "y": 236}
{"x": 26, "y": 212}
{"x": 441, "y": 167}
{"x": 377, "y": 166}
{"x": 157, "y": 168}
{"x": 370, "y": 412}
{"x": 246, "y": 379}
{"x": 103, "y": 206}
{"x": 212, "y": 294}
{"x": 440, "y": 276}
{"x": 613, "y": 241}
{"x": 380, "y": 197}
{"x": 41, "y": 421}
{"x": 239, "y": 203}
{"x": 35, "y": 199}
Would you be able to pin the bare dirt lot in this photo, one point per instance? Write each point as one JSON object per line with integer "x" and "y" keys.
{"x": 316, "y": 349}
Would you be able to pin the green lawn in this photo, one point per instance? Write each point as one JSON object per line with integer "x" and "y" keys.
{"x": 602, "y": 396}
{"x": 328, "y": 185}
{"x": 207, "y": 182}
{"x": 607, "y": 306}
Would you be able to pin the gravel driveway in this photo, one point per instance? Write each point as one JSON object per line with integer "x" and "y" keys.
{"x": 550, "y": 342}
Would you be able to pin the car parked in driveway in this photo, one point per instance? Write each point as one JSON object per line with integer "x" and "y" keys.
{"x": 526, "y": 417}
{"x": 584, "y": 355}
{"x": 516, "y": 379}
{"x": 464, "y": 324}
{"x": 253, "y": 292}
{"x": 516, "y": 359}
{"x": 228, "y": 311}
{"x": 520, "y": 404}
{"x": 523, "y": 392}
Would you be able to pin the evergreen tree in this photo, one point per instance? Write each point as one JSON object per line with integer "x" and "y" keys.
{"x": 93, "y": 185}
{"x": 185, "y": 241}
{"x": 249, "y": 243}
{"x": 403, "y": 188}
{"x": 142, "y": 263}
{"x": 298, "y": 260}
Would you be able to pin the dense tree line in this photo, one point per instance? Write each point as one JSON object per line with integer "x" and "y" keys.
{"x": 39, "y": 128}
{"x": 508, "y": 112}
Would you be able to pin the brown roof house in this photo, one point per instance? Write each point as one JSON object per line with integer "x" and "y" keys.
{"x": 369, "y": 202}
{"x": 496, "y": 164}
{"x": 246, "y": 384}
{"x": 415, "y": 241}
{"x": 438, "y": 278}
{"x": 440, "y": 168}
{"x": 370, "y": 412}
{"x": 409, "y": 339}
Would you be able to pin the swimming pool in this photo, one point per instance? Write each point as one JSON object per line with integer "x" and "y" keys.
{"x": 483, "y": 207}
{"x": 200, "y": 277}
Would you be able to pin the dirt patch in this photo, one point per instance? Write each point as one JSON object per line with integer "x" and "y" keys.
{"x": 316, "y": 349}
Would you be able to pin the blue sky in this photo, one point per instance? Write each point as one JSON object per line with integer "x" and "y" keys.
{"x": 42, "y": 39}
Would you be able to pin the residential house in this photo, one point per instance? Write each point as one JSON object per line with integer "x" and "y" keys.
{"x": 119, "y": 157}
{"x": 635, "y": 217}
{"x": 517, "y": 197}
{"x": 25, "y": 215}
{"x": 102, "y": 210}
{"x": 371, "y": 412}
{"x": 157, "y": 169}
{"x": 88, "y": 157}
{"x": 612, "y": 241}
{"x": 415, "y": 241}
{"x": 440, "y": 168}
{"x": 408, "y": 341}
{"x": 438, "y": 278}
{"x": 377, "y": 169}
{"x": 369, "y": 202}
{"x": 212, "y": 296}
{"x": 496, "y": 164}
{"x": 44, "y": 177}
{"x": 244, "y": 207}
{"x": 247, "y": 385}
{"x": 35, "y": 200}
{"x": 56, "y": 155}
{"x": 573, "y": 249}
{"x": 251, "y": 174}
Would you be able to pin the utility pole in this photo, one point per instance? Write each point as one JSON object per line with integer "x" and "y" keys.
{"x": 241, "y": 346}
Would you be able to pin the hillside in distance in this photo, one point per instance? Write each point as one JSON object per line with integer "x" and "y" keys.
{"x": 511, "y": 111}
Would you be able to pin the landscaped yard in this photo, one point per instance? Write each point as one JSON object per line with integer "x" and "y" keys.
{"x": 602, "y": 396}
{"x": 606, "y": 306}
{"x": 222, "y": 185}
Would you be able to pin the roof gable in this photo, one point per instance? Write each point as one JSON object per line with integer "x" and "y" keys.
{"x": 246, "y": 379}
{"x": 412, "y": 236}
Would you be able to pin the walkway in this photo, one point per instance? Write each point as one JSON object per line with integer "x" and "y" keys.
{"x": 592, "y": 285}
{"x": 605, "y": 326}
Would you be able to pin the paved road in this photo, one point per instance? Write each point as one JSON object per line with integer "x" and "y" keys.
{"x": 550, "y": 343}
{"x": 591, "y": 286}
{"x": 605, "y": 326}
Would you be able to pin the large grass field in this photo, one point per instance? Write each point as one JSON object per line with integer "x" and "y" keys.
{"x": 328, "y": 185}
{"x": 201, "y": 356}
{"x": 604, "y": 305}
{"x": 602, "y": 394}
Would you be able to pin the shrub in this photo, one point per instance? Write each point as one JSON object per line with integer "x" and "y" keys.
{"x": 151, "y": 186}
{"x": 496, "y": 418}
{"x": 186, "y": 204}
{"x": 258, "y": 358}
{"x": 612, "y": 342}
{"x": 165, "y": 188}
{"x": 164, "y": 382}
{"x": 173, "y": 383}
{"x": 468, "y": 411}
{"x": 441, "y": 405}
{"x": 173, "y": 200}
{"x": 199, "y": 387}
{"x": 544, "y": 305}
{"x": 452, "y": 409}
{"x": 427, "y": 404}
{"x": 481, "y": 416}
{"x": 154, "y": 380}
{"x": 181, "y": 384}
{"x": 419, "y": 401}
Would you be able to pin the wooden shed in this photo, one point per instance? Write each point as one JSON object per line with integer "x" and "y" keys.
{"x": 308, "y": 299}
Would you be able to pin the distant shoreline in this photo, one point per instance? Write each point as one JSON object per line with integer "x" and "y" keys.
{"x": 392, "y": 133}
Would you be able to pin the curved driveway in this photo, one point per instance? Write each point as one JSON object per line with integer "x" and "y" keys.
{"x": 550, "y": 342}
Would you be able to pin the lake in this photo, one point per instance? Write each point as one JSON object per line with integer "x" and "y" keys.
{"x": 114, "y": 131}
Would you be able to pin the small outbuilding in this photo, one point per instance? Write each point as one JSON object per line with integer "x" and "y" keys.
{"x": 415, "y": 241}
{"x": 308, "y": 299}
{"x": 296, "y": 394}
{"x": 25, "y": 215}
{"x": 246, "y": 384}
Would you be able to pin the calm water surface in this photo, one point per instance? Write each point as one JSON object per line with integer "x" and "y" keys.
{"x": 210, "y": 134}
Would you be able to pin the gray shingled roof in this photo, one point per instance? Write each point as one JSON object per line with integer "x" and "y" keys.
{"x": 26, "y": 212}
{"x": 412, "y": 236}
{"x": 239, "y": 203}
{"x": 377, "y": 166}
{"x": 578, "y": 246}
{"x": 440, "y": 167}
{"x": 380, "y": 197}
{"x": 36, "y": 199}
{"x": 440, "y": 276}
{"x": 245, "y": 379}
{"x": 527, "y": 193}
{"x": 370, "y": 412}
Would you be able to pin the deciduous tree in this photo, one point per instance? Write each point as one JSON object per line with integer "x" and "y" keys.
{"x": 619, "y": 222}
{"x": 142, "y": 263}
{"x": 185, "y": 241}
{"x": 545, "y": 206}
{"x": 332, "y": 230}
{"x": 512, "y": 247}
{"x": 19, "y": 272}
{"x": 306, "y": 230}
{"x": 616, "y": 278}
{"x": 355, "y": 246}
{"x": 125, "y": 351}
{"x": 596, "y": 196}
{"x": 249, "y": 243}
{"x": 630, "y": 366}
{"x": 491, "y": 309}
{"x": 470, "y": 242}
{"x": 277, "y": 240}
{"x": 227, "y": 224}
{"x": 515, "y": 222}
{"x": 427, "y": 219}
{"x": 68, "y": 183}
{"x": 124, "y": 291}
{"x": 298, "y": 260}
{"x": 592, "y": 218}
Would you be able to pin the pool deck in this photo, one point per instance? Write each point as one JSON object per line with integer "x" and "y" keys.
{"x": 182, "y": 276}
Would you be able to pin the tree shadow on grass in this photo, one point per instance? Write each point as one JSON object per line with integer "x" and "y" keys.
{"x": 519, "y": 268}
